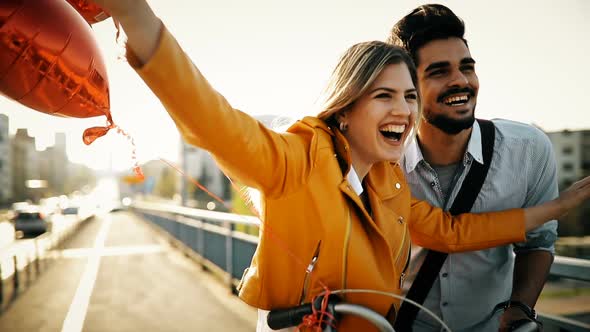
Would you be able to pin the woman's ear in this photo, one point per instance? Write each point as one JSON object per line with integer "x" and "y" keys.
{"x": 342, "y": 116}
{"x": 342, "y": 119}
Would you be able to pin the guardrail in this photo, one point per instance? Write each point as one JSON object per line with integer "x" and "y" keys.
{"x": 23, "y": 261}
{"x": 211, "y": 239}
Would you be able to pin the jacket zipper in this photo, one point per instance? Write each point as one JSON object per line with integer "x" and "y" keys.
{"x": 308, "y": 272}
{"x": 401, "y": 248}
{"x": 403, "y": 275}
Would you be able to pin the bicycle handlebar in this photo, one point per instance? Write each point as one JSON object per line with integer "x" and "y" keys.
{"x": 284, "y": 318}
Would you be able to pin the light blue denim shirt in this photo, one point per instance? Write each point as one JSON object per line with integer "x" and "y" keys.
{"x": 522, "y": 173}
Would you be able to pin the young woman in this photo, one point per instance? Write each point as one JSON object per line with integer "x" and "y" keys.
{"x": 336, "y": 209}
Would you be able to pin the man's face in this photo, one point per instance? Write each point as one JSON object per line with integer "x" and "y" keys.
{"x": 449, "y": 85}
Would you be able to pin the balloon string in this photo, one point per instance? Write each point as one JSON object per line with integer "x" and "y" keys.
{"x": 136, "y": 168}
{"x": 318, "y": 318}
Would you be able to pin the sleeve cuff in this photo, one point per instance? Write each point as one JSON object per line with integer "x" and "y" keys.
{"x": 132, "y": 58}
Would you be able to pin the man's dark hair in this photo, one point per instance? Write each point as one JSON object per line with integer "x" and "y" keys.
{"x": 424, "y": 24}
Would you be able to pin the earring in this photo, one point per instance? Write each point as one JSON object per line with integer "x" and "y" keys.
{"x": 343, "y": 126}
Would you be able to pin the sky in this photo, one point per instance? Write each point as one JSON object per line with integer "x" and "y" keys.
{"x": 275, "y": 57}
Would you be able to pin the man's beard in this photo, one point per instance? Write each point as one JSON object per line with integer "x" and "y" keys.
{"x": 448, "y": 125}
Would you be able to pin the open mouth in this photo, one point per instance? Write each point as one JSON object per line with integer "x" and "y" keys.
{"x": 393, "y": 132}
{"x": 456, "y": 100}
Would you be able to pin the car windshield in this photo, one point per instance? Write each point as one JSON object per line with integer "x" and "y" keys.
{"x": 70, "y": 210}
{"x": 28, "y": 216}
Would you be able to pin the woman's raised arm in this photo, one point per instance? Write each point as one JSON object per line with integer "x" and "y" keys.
{"x": 139, "y": 22}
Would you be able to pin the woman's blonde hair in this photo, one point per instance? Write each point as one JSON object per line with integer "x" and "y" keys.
{"x": 355, "y": 73}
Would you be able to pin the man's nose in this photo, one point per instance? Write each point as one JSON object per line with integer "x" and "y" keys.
{"x": 458, "y": 79}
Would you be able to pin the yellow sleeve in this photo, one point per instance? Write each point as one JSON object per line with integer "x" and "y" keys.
{"x": 244, "y": 148}
{"x": 433, "y": 228}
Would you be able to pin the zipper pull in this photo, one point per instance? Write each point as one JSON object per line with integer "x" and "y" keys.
{"x": 314, "y": 259}
{"x": 311, "y": 264}
{"x": 402, "y": 278}
{"x": 308, "y": 272}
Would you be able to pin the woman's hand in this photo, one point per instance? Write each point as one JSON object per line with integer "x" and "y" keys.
{"x": 570, "y": 198}
{"x": 139, "y": 22}
{"x": 573, "y": 196}
{"x": 117, "y": 8}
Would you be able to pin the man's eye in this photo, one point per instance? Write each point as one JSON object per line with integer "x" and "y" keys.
{"x": 468, "y": 68}
{"x": 436, "y": 72}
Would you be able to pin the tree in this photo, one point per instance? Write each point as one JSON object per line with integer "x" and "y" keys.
{"x": 166, "y": 185}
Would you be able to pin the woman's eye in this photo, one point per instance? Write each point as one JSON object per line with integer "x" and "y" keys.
{"x": 412, "y": 96}
{"x": 382, "y": 95}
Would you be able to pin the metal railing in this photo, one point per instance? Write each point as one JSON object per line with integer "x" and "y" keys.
{"x": 210, "y": 237}
{"x": 23, "y": 262}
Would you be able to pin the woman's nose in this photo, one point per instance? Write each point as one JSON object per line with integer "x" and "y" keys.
{"x": 401, "y": 109}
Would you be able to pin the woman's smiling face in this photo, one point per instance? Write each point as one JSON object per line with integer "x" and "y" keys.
{"x": 380, "y": 121}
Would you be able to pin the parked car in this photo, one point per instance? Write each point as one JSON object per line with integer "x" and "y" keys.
{"x": 31, "y": 222}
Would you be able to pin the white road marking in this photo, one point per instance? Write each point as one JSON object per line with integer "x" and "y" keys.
{"x": 112, "y": 251}
{"x": 74, "y": 321}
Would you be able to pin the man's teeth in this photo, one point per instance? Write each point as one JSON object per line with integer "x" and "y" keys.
{"x": 456, "y": 100}
{"x": 394, "y": 128}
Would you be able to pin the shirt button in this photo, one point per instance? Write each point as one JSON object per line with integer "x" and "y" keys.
{"x": 432, "y": 184}
{"x": 444, "y": 304}
{"x": 400, "y": 219}
{"x": 397, "y": 185}
{"x": 444, "y": 275}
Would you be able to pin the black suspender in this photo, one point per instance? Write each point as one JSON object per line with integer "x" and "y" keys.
{"x": 463, "y": 202}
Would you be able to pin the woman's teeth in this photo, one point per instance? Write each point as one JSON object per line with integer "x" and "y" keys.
{"x": 393, "y": 132}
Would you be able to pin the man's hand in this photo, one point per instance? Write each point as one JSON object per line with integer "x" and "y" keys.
{"x": 509, "y": 316}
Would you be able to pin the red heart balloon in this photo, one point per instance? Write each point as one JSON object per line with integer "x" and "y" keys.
{"x": 49, "y": 60}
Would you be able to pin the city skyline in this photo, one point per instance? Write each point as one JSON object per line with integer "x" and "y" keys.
{"x": 527, "y": 65}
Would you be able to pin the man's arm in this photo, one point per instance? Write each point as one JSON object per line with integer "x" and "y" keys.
{"x": 531, "y": 270}
{"x": 534, "y": 258}
{"x": 530, "y": 273}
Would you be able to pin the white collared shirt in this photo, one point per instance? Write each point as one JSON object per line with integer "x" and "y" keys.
{"x": 522, "y": 173}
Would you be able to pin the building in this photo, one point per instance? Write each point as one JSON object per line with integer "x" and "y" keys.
{"x": 25, "y": 164}
{"x": 53, "y": 164}
{"x": 572, "y": 152}
{"x": 5, "y": 161}
{"x": 199, "y": 165}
